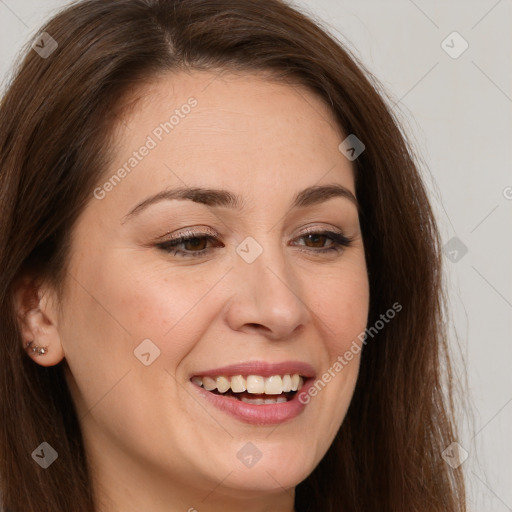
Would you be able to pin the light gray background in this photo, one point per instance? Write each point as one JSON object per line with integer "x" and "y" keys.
{"x": 458, "y": 114}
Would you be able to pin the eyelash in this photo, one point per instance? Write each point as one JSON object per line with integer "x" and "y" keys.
{"x": 340, "y": 242}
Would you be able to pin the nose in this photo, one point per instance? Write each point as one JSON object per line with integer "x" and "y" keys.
{"x": 268, "y": 296}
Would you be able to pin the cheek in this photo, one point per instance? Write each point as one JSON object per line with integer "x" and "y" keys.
{"x": 341, "y": 305}
{"x": 172, "y": 307}
{"x": 341, "y": 308}
{"x": 164, "y": 303}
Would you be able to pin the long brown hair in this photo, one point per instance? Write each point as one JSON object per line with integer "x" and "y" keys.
{"x": 56, "y": 123}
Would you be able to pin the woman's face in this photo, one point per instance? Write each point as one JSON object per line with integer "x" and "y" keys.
{"x": 146, "y": 326}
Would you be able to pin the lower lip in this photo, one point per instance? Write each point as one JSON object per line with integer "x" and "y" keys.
{"x": 265, "y": 414}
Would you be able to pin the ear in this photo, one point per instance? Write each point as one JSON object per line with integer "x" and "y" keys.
{"x": 37, "y": 317}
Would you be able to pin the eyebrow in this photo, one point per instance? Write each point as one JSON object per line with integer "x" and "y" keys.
{"x": 310, "y": 196}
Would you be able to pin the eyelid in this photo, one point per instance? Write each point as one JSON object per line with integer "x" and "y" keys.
{"x": 201, "y": 231}
{"x": 196, "y": 231}
{"x": 316, "y": 229}
{"x": 340, "y": 240}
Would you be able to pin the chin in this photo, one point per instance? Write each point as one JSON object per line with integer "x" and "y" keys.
{"x": 267, "y": 467}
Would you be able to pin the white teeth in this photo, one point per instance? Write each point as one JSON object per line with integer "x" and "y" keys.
{"x": 264, "y": 401}
{"x": 273, "y": 385}
{"x": 295, "y": 382}
{"x": 254, "y": 401}
{"x": 255, "y": 384}
{"x": 209, "y": 383}
{"x": 197, "y": 380}
{"x": 223, "y": 384}
{"x": 287, "y": 384}
{"x": 238, "y": 384}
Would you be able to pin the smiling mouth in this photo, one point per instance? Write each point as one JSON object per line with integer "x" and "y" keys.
{"x": 253, "y": 389}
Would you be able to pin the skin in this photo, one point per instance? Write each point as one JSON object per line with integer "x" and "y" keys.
{"x": 152, "y": 446}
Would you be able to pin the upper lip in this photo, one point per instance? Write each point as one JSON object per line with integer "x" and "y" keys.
{"x": 262, "y": 368}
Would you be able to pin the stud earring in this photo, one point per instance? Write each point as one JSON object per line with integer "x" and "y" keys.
{"x": 36, "y": 349}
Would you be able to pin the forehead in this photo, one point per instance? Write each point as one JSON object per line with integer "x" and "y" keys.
{"x": 246, "y": 133}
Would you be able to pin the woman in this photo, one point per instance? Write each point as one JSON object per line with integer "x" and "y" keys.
{"x": 221, "y": 283}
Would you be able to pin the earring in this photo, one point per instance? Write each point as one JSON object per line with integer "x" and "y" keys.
{"x": 36, "y": 349}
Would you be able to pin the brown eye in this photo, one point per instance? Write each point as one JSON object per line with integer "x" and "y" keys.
{"x": 195, "y": 244}
{"x": 316, "y": 239}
